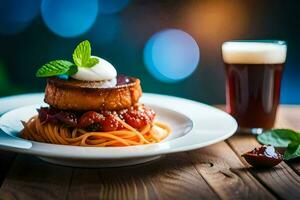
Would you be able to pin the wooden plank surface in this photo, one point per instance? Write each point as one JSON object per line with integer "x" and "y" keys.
{"x": 6, "y": 159}
{"x": 172, "y": 177}
{"x": 288, "y": 116}
{"x": 214, "y": 172}
{"x": 282, "y": 180}
{"x": 208, "y": 173}
{"x": 168, "y": 178}
{"x": 225, "y": 173}
{"x": 31, "y": 178}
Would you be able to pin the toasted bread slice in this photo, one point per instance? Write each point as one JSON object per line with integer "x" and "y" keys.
{"x": 78, "y": 95}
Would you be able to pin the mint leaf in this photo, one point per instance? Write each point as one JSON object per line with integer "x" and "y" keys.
{"x": 293, "y": 151}
{"x": 279, "y": 137}
{"x": 55, "y": 67}
{"x": 73, "y": 70}
{"x": 92, "y": 62}
{"x": 82, "y": 54}
{"x": 81, "y": 57}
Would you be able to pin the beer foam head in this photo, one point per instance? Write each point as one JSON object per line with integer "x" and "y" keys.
{"x": 254, "y": 52}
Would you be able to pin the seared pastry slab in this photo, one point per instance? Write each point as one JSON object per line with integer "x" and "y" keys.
{"x": 78, "y": 95}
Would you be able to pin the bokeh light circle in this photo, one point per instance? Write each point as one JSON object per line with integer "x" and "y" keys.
{"x": 69, "y": 18}
{"x": 112, "y": 6}
{"x": 171, "y": 55}
{"x": 16, "y": 15}
{"x": 105, "y": 30}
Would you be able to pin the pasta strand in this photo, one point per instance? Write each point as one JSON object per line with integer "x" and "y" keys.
{"x": 60, "y": 134}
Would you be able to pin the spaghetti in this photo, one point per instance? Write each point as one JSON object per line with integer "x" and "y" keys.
{"x": 62, "y": 134}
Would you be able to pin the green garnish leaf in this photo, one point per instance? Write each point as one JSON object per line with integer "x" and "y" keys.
{"x": 92, "y": 62}
{"x": 82, "y": 55}
{"x": 282, "y": 138}
{"x": 278, "y": 137}
{"x": 56, "y": 67}
{"x": 293, "y": 151}
{"x": 73, "y": 70}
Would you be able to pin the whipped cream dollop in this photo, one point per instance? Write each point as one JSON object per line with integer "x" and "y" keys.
{"x": 102, "y": 71}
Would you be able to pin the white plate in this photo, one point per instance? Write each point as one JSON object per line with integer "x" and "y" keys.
{"x": 194, "y": 125}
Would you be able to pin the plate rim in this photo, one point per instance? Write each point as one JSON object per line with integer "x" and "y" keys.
{"x": 144, "y": 150}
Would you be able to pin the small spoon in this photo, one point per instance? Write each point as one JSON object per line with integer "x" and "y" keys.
{"x": 264, "y": 156}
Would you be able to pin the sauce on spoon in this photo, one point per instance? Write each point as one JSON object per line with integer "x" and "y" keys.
{"x": 264, "y": 156}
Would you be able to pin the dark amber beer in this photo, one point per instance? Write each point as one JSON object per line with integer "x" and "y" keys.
{"x": 253, "y": 77}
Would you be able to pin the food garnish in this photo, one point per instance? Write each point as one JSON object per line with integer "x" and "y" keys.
{"x": 81, "y": 57}
{"x": 286, "y": 138}
{"x": 90, "y": 105}
{"x": 264, "y": 156}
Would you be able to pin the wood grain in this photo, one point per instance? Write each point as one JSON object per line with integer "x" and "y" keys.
{"x": 172, "y": 177}
{"x": 224, "y": 172}
{"x": 212, "y": 172}
{"x": 6, "y": 159}
{"x": 281, "y": 179}
{"x": 288, "y": 116}
{"x": 31, "y": 178}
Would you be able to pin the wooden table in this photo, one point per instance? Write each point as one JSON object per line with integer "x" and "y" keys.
{"x": 214, "y": 172}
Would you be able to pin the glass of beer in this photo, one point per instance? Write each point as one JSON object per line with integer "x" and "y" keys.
{"x": 253, "y": 77}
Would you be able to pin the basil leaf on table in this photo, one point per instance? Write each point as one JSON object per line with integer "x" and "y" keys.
{"x": 279, "y": 137}
{"x": 293, "y": 151}
{"x": 282, "y": 138}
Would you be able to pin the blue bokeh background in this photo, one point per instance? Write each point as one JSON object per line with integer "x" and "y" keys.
{"x": 171, "y": 55}
{"x": 69, "y": 18}
{"x": 172, "y": 46}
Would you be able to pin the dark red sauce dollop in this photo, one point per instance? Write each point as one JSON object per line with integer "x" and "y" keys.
{"x": 264, "y": 156}
{"x": 136, "y": 116}
{"x": 122, "y": 80}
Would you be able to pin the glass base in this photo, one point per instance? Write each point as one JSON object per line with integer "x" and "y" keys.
{"x": 254, "y": 131}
